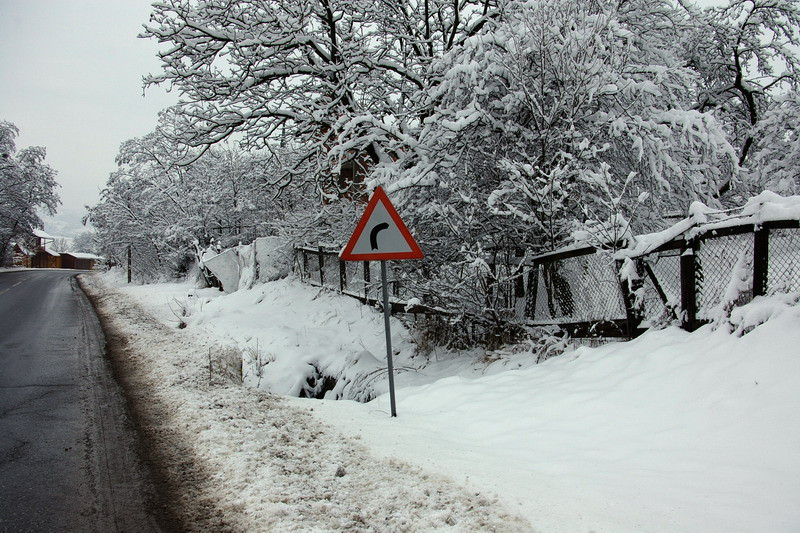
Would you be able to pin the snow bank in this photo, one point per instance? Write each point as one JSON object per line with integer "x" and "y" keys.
{"x": 261, "y": 464}
{"x": 295, "y": 340}
{"x": 671, "y": 432}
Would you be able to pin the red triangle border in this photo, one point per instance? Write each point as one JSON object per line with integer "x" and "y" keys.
{"x": 380, "y": 196}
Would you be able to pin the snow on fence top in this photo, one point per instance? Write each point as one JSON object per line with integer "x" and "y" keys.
{"x": 692, "y": 272}
{"x": 759, "y": 210}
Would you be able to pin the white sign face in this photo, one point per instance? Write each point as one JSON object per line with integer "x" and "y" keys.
{"x": 381, "y": 235}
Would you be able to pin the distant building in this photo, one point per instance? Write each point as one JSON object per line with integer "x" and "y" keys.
{"x": 41, "y": 257}
{"x": 44, "y": 258}
{"x": 79, "y": 261}
{"x": 21, "y": 256}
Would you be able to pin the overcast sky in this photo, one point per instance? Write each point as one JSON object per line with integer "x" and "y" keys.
{"x": 70, "y": 80}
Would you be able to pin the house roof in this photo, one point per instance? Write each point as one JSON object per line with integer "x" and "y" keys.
{"x": 81, "y": 255}
{"x": 22, "y": 248}
{"x": 42, "y": 234}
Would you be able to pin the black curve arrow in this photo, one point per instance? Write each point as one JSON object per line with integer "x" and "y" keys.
{"x": 373, "y": 235}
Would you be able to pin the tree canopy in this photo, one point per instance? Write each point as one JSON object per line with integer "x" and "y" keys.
{"x": 334, "y": 79}
{"x": 27, "y": 184}
{"x": 513, "y": 125}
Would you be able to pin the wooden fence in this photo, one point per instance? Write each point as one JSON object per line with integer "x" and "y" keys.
{"x": 321, "y": 266}
{"x": 688, "y": 279}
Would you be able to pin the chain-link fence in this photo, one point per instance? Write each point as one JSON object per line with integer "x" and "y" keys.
{"x": 783, "y": 273}
{"x": 583, "y": 288}
{"x": 690, "y": 279}
{"x": 661, "y": 285}
{"x": 723, "y": 273}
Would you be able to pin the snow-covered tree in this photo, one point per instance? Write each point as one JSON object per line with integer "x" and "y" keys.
{"x": 564, "y": 113}
{"x": 167, "y": 200}
{"x": 85, "y": 242}
{"x": 60, "y": 244}
{"x": 775, "y": 160}
{"x": 337, "y": 81}
{"x": 746, "y": 54}
{"x": 560, "y": 116}
{"x": 27, "y": 184}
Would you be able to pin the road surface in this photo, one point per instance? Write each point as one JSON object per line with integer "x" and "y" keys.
{"x": 69, "y": 456}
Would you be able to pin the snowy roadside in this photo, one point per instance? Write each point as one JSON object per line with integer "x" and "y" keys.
{"x": 672, "y": 432}
{"x": 264, "y": 464}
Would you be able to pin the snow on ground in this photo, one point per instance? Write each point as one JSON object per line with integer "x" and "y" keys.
{"x": 671, "y": 432}
{"x": 268, "y": 465}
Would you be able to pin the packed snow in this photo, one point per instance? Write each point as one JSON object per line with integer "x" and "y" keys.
{"x": 245, "y": 460}
{"x": 670, "y": 432}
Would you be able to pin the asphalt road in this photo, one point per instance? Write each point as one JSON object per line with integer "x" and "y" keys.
{"x": 69, "y": 454}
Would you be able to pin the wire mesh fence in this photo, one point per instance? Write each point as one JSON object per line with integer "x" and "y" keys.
{"x": 690, "y": 279}
{"x": 582, "y": 288}
{"x": 724, "y": 273}
{"x": 783, "y": 273}
{"x": 661, "y": 285}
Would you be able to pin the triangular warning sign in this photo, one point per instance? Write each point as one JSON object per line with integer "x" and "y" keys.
{"x": 380, "y": 234}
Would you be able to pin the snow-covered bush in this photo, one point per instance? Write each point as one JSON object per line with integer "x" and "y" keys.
{"x": 273, "y": 258}
{"x": 746, "y": 318}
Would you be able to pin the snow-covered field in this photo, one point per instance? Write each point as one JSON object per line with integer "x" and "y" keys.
{"x": 671, "y": 432}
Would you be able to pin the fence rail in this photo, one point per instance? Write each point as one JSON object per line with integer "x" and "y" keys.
{"x": 322, "y": 267}
{"x": 689, "y": 279}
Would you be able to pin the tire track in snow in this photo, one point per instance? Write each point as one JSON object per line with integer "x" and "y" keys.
{"x": 237, "y": 459}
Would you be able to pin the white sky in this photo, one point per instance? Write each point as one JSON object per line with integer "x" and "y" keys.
{"x": 71, "y": 81}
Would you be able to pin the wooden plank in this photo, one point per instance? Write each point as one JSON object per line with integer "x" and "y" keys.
{"x": 689, "y": 287}
{"x": 760, "y": 261}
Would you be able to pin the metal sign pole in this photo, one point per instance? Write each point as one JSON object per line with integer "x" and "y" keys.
{"x": 379, "y": 236}
{"x": 386, "y": 315}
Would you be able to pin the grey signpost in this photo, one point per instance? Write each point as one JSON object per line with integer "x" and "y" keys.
{"x": 381, "y": 235}
{"x": 387, "y": 313}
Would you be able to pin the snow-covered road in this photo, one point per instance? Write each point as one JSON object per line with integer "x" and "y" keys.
{"x": 238, "y": 459}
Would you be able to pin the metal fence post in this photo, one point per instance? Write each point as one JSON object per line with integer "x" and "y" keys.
{"x": 490, "y": 282}
{"x": 533, "y": 292}
{"x": 342, "y": 275}
{"x": 633, "y": 316}
{"x": 689, "y": 286}
{"x": 760, "y": 261}
{"x": 321, "y": 258}
{"x": 366, "y": 280}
